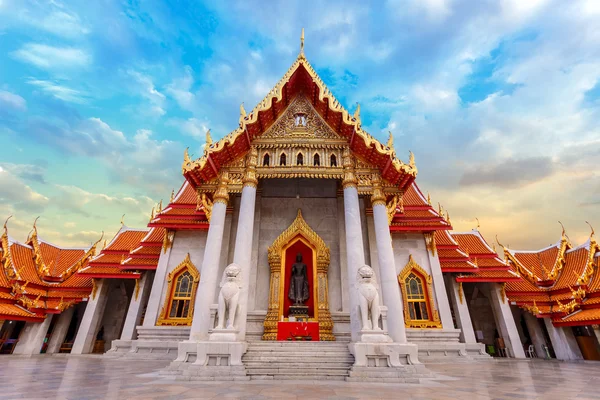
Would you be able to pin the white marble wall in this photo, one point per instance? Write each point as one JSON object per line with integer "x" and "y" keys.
{"x": 563, "y": 341}
{"x": 184, "y": 242}
{"x": 405, "y": 244}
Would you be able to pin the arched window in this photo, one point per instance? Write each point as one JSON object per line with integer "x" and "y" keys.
{"x": 178, "y": 308}
{"x": 317, "y": 160}
{"x": 333, "y": 161}
{"x": 266, "y": 160}
{"x": 417, "y": 303}
{"x": 180, "y": 302}
{"x": 300, "y": 159}
{"x": 282, "y": 159}
{"x": 417, "y": 292}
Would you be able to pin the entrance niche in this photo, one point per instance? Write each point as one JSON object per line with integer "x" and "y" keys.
{"x": 298, "y": 239}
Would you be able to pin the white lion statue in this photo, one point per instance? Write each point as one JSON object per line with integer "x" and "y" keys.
{"x": 368, "y": 299}
{"x": 229, "y": 296}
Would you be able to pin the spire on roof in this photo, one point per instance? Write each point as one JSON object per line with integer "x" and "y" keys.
{"x": 209, "y": 140}
{"x": 591, "y": 227}
{"x": 302, "y": 43}
{"x": 411, "y": 159}
{"x": 172, "y": 196}
{"x": 123, "y": 220}
{"x": 390, "y": 142}
{"x": 478, "y": 224}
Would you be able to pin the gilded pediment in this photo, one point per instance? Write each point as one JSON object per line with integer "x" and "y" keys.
{"x": 299, "y": 121}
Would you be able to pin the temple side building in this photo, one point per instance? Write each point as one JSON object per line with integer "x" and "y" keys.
{"x": 300, "y": 247}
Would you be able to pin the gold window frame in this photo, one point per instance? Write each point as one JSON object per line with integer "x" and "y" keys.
{"x": 185, "y": 265}
{"x": 434, "y": 318}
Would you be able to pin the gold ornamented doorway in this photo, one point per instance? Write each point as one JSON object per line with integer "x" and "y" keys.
{"x": 299, "y": 237}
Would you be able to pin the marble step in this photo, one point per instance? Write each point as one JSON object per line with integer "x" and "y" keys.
{"x": 296, "y": 371}
{"x": 285, "y": 359}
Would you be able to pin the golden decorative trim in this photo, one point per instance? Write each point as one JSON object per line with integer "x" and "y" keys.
{"x": 378, "y": 198}
{"x": 168, "y": 240}
{"x": 532, "y": 309}
{"x": 299, "y": 230}
{"x": 136, "y": 292}
{"x": 94, "y": 289}
{"x": 349, "y": 175}
{"x": 434, "y": 318}
{"x": 430, "y": 242}
{"x": 460, "y": 292}
{"x": 391, "y": 207}
{"x": 185, "y": 265}
{"x": 203, "y": 203}
{"x": 221, "y": 195}
{"x": 250, "y": 175}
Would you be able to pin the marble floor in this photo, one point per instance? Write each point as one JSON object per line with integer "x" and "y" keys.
{"x": 95, "y": 377}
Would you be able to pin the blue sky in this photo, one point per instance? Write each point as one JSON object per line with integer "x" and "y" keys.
{"x": 499, "y": 101}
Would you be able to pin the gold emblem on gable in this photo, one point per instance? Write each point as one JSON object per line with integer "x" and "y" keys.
{"x": 300, "y": 120}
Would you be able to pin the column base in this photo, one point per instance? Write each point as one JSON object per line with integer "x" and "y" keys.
{"x": 209, "y": 361}
{"x": 386, "y": 362}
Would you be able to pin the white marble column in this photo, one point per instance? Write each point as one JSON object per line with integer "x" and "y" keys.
{"x": 388, "y": 280}
{"x": 160, "y": 279}
{"x": 536, "y": 334}
{"x": 61, "y": 327}
{"x": 32, "y": 337}
{"x": 441, "y": 296}
{"x": 563, "y": 341}
{"x": 136, "y": 306}
{"x": 505, "y": 321}
{"x": 209, "y": 272}
{"x": 354, "y": 242}
{"x": 92, "y": 317}
{"x": 242, "y": 254}
{"x": 461, "y": 311}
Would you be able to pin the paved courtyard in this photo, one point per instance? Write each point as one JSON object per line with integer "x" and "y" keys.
{"x": 95, "y": 377}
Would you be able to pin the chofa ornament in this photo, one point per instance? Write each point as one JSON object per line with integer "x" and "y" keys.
{"x": 229, "y": 296}
{"x": 370, "y": 310}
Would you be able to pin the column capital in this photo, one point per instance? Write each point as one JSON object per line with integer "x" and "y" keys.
{"x": 377, "y": 198}
{"x": 251, "y": 162}
{"x": 221, "y": 195}
{"x": 349, "y": 176}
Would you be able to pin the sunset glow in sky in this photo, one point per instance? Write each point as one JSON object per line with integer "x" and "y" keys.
{"x": 499, "y": 101}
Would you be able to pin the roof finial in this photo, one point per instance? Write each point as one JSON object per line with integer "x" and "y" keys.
{"x": 152, "y": 214}
{"x": 34, "y": 224}
{"x": 123, "y": 220}
{"x": 428, "y": 198}
{"x": 563, "y": 229}
{"x": 172, "y": 196}
{"x": 591, "y": 227}
{"x": 209, "y": 140}
{"x": 497, "y": 241}
{"x": 5, "y": 222}
{"x": 186, "y": 156}
{"x": 242, "y": 111}
{"x": 357, "y": 113}
{"x": 302, "y": 43}
{"x": 411, "y": 159}
{"x": 390, "y": 142}
{"x": 478, "y": 224}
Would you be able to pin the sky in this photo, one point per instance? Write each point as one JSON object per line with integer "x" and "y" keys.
{"x": 499, "y": 101}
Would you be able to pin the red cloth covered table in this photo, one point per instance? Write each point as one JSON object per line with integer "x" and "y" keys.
{"x": 287, "y": 330}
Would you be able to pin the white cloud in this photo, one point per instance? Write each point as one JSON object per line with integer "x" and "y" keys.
{"x": 21, "y": 196}
{"x": 191, "y": 127}
{"x": 150, "y": 93}
{"x": 12, "y": 101}
{"x": 179, "y": 89}
{"x": 59, "y": 91}
{"x": 50, "y": 57}
{"x": 63, "y": 23}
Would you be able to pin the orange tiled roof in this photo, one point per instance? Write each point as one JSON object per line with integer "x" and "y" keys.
{"x": 416, "y": 214}
{"x": 473, "y": 243}
{"x": 14, "y": 312}
{"x": 580, "y": 317}
{"x": 489, "y": 276}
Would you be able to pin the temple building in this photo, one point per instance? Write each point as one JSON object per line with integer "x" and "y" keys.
{"x": 300, "y": 247}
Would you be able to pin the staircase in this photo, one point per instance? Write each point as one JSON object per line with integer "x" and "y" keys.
{"x": 298, "y": 360}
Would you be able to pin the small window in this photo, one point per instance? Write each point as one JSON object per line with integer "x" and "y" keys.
{"x": 317, "y": 160}
{"x": 300, "y": 159}
{"x": 333, "y": 160}
{"x": 266, "y": 160}
{"x": 282, "y": 159}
